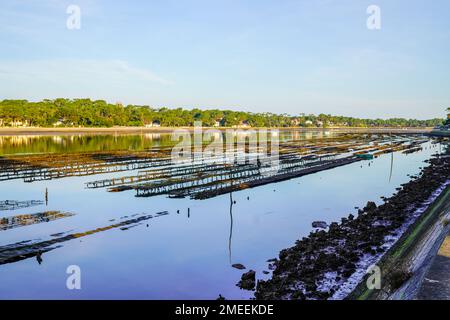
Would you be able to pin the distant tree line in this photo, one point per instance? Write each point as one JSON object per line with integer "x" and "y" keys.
{"x": 99, "y": 113}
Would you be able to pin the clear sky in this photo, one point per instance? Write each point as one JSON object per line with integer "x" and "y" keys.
{"x": 292, "y": 56}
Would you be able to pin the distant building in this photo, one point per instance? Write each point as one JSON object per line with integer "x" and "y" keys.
{"x": 155, "y": 123}
{"x": 58, "y": 123}
{"x": 61, "y": 122}
{"x": 244, "y": 124}
{"x": 18, "y": 123}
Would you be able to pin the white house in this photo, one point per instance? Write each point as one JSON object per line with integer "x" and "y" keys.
{"x": 245, "y": 124}
{"x": 155, "y": 123}
{"x": 19, "y": 123}
{"x": 58, "y": 123}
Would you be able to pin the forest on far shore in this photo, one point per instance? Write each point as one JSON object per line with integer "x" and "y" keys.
{"x": 99, "y": 113}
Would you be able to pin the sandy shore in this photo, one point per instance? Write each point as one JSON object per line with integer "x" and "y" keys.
{"x": 5, "y": 131}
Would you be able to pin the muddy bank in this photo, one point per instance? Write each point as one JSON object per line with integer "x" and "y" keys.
{"x": 328, "y": 264}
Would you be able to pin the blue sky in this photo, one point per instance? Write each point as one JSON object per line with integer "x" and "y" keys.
{"x": 302, "y": 56}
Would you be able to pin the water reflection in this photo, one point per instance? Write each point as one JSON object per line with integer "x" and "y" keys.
{"x": 39, "y": 257}
{"x": 10, "y": 205}
{"x": 80, "y": 143}
{"x": 26, "y": 249}
{"x": 231, "y": 227}
{"x": 392, "y": 160}
{"x": 35, "y": 144}
{"x": 22, "y": 220}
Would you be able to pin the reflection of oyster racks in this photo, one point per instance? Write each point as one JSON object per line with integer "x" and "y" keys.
{"x": 14, "y": 205}
{"x": 30, "y": 219}
{"x": 96, "y": 169}
{"x": 22, "y": 250}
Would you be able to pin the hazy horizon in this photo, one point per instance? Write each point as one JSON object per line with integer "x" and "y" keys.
{"x": 257, "y": 56}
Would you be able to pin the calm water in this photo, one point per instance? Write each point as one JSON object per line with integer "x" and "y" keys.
{"x": 177, "y": 256}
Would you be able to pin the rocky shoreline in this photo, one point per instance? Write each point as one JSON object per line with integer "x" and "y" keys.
{"x": 320, "y": 265}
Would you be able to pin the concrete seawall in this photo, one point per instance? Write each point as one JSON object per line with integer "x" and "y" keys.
{"x": 414, "y": 251}
{"x": 436, "y": 283}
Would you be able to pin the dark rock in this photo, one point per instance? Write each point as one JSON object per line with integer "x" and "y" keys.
{"x": 370, "y": 206}
{"x": 320, "y": 224}
{"x": 398, "y": 278}
{"x": 298, "y": 295}
{"x": 39, "y": 256}
{"x": 238, "y": 266}
{"x": 248, "y": 281}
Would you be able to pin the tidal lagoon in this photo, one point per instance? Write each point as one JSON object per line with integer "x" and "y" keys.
{"x": 141, "y": 227}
